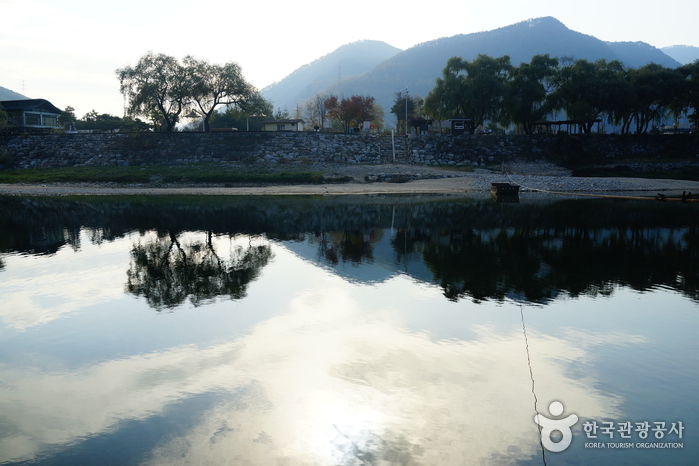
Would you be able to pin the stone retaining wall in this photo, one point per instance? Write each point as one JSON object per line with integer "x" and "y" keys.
{"x": 74, "y": 150}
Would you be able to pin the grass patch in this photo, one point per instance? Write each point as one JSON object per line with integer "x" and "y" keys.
{"x": 215, "y": 174}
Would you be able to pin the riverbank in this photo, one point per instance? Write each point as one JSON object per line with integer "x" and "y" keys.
{"x": 403, "y": 179}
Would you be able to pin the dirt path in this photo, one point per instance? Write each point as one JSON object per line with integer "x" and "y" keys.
{"x": 531, "y": 176}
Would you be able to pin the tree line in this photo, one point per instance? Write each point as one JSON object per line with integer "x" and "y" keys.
{"x": 489, "y": 89}
{"x": 166, "y": 92}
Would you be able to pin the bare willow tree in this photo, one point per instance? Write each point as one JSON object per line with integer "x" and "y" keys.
{"x": 316, "y": 111}
{"x": 156, "y": 87}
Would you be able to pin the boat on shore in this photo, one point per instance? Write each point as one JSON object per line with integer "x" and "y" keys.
{"x": 504, "y": 192}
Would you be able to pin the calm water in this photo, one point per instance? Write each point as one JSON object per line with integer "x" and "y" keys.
{"x": 346, "y": 331}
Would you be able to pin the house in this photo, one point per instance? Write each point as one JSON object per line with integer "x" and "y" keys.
{"x": 283, "y": 125}
{"x": 35, "y": 113}
{"x": 457, "y": 126}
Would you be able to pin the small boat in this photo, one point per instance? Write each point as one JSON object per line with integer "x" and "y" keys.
{"x": 504, "y": 192}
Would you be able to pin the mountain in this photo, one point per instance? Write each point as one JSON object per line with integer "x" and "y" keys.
{"x": 637, "y": 54}
{"x": 682, "y": 53}
{"x": 347, "y": 61}
{"x": 6, "y": 94}
{"x": 418, "y": 66}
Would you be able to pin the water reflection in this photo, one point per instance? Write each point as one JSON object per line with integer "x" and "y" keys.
{"x": 166, "y": 272}
{"x": 343, "y": 331}
{"x": 474, "y": 249}
{"x": 324, "y": 382}
{"x": 346, "y": 246}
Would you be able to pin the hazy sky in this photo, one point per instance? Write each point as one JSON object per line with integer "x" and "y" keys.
{"x": 67, "y": 51}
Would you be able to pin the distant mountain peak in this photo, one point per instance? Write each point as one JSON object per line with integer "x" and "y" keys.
{"x": 7, "y": 94}
{"x": 418, "y": 66}
{"x": 682, "y": 53}
{"x": 347, "y": 60}
{"x": 544, "y": 21}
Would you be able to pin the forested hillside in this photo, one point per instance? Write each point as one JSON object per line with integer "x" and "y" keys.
{"x": 346, "y": 62}
{"x": 6, "y": 94}
{"x": 417, "y": 67}
{"x": 682, "y": 53}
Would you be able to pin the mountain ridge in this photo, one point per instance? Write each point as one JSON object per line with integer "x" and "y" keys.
{"x": 682, "y": 53}
{"x": 348, "y": 60}
{"x": 8, "y": 94}
{"x": 417, "y": 67}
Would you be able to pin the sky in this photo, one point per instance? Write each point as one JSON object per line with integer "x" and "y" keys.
{"x": 67, "y": 51}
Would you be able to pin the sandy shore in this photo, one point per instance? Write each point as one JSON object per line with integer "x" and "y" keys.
{"x": 530, "y": 176}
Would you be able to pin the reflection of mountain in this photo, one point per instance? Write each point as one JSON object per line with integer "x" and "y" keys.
{"x": 385, "y": 261}
{"x": 476, "y": 249}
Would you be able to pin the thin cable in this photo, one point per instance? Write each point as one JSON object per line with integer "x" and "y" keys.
{"x": 531, "y": 375}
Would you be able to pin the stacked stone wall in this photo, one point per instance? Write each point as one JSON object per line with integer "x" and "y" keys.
{"x": 270, "y": 148}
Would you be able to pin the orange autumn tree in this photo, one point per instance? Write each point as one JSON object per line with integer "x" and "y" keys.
{"x": 350, "y": 111}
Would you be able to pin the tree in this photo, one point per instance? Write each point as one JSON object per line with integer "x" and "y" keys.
{"x": 585, "y": 90}
{"x": 212, "y": 85}
{"x": 379, "y": 116}
{"x": 156, "y": 86}
{"x": 249, "y": 118}
{"x": 332, "y": 106}
{"x": 655, "y": 88}
{"x": 316, "y": 111}
{"x": 67, "y": 117}
{"x": 527, "y": 91}
{"x": 474, "y": 90}
{"x": 402, "y": 101}
{"x": 280, "y": 114}
{"x": 3, "y": 117}
{"x": 350, "y": 111}
{"x": 364, "y": 106}
{"x": 100, "y": 122}
{"x": 688, "y": 99}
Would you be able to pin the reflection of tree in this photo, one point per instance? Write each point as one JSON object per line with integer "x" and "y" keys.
{"x": 480, "y": 249}
{"x": 166, "y": 272}
{"x": 347, "y": 246}
{"x": 539, "y": 263}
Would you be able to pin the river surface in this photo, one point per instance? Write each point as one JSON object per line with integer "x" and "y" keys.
{"x": 348, "y": 331}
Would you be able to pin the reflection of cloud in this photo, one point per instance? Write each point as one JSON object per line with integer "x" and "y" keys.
{"x": 324, "y": 383}
{"x": 71, "y": 283}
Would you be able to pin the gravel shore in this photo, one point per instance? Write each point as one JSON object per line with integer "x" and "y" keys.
{"x": 398, "y": 179}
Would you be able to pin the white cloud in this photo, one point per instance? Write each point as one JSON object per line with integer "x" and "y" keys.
{"x": 322, "y": 380}
{"x": 39, "y": 294}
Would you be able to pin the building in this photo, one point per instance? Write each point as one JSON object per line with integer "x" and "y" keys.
{"x": 283, "y": 125}
{"x": 454, "y": 126}
{"x": 33, "y": 113}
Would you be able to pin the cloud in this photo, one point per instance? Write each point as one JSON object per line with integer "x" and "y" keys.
{"x": 39, "y": 293}
{"x": 321, "y": 383}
